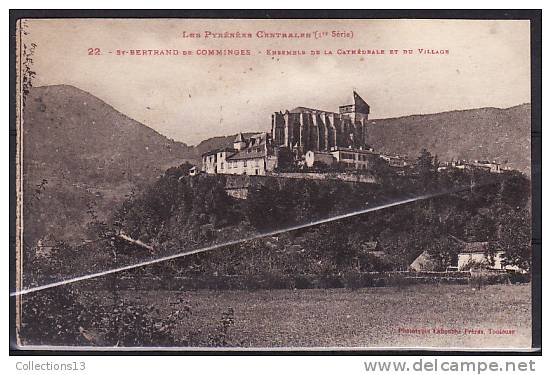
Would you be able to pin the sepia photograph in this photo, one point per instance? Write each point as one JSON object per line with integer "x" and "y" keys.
{"x": 274, "y": 184}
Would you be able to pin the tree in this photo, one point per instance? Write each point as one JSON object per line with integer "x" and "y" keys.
{"x": 515, "y": 189}
{"x": 480, "y": 228}
{"x": 515, "y": 239}
{"x": 27, "y": 73}
{"x": 179, "y": 171}
{"x": 425, "y": 167}
{"x": 443, "y": 252}
{"x": 381, "y": 169}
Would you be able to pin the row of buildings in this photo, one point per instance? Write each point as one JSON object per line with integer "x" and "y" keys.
{"x": 310, "y": 137}
{"x": 489, "y": 166}
{"x": 302, "y": 135}
{"x": 470, "y": 255}
{"x": 253, "y": 156}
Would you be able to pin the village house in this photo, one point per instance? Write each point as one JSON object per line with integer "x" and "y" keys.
{"x": 476, "y": 253}
{"x": 354, "y": 158}
{"x": 396, "y": 161}
{"x": 471, "y": 255}
{"x": 423, "y": 262}
{"x": 324, "y": 157}
{"x": 490, "y": 166}
{"x": 349, "y": 157}
{"x": 253, "y": 156}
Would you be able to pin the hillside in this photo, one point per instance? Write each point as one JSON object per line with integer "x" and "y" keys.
{"x": 483, "y": 134}
{"x": 81, "y": 157}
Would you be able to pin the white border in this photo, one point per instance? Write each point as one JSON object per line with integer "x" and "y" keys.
{"x": 258, "y": 364}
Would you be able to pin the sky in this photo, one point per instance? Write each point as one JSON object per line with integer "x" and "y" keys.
{"x": 193, "y": 97}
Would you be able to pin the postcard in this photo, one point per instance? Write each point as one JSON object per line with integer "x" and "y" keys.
{"x": 274, "y": 184}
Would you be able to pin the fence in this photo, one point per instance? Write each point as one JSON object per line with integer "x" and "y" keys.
{"x": 276, "y": 280}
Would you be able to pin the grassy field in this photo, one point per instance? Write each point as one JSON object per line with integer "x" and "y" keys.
{"x": 371, "y": 317}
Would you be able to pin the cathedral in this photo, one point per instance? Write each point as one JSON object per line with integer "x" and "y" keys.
{"x": 305, "y": 129}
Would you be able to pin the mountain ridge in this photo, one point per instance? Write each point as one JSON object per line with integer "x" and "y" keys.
{"x": 486, "y": 133}
{"x": 81, "y": 156}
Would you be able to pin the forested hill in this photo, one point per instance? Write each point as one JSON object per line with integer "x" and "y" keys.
{"x": 476, "y": 134}
{"x": 82, "y": 156}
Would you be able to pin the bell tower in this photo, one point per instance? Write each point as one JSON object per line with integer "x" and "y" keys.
{"x": 358, "y": 111}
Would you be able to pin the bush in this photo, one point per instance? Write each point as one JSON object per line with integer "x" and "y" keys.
{"x": 133, "y": 325}
{"x": 475, "y": 265}
{"x": 302, "y": 282}
{"x": 222, "y": 337}
{"x": 251, "y": 282}
{"x": 398, "y": 280}
{"x": 479, "y": 279}
{"x": 60, "y": 316}
{"x": 275, "y": 279}
{"x": 53, "y": 317}
{"x": 368, "y": 280}
{"x": 330, "y": 281}
{"x": 517, "y": 277}
{"x": 353, "y": 280}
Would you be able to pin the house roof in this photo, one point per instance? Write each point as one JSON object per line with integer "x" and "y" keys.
{"x": 345, "y": 149}
{"x": 255, "y": 148}
{"x": 474, "y": 247}
{"x": 257, "y": 139}
{"x": 248, "y": 153}
{"x": 470, "y": 247}
{"x": 211, "y": 152}
{"x": 217, "y": 150}
{"x": 320, "y": 153}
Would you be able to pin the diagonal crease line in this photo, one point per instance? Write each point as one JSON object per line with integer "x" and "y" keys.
{"x": 234, "y": 242}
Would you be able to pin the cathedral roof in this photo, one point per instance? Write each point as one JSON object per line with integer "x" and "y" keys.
{"x": 308, "y": 110}
{"x": 360, "y": 106}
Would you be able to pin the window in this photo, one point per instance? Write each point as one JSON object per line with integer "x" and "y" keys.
{"x": 244, "y": 163}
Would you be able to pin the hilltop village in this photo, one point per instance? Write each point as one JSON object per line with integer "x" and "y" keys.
{"x": 303, "y": 139}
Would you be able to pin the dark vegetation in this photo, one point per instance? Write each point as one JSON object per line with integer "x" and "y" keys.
{"x": 180, "y": 213}
{"x": 70, "y": 316}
